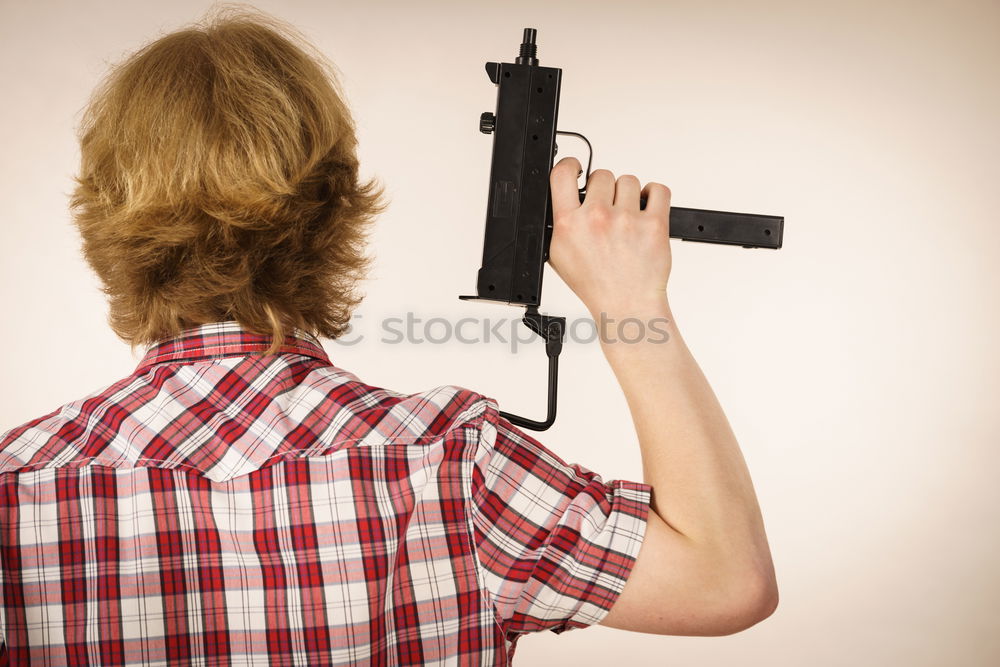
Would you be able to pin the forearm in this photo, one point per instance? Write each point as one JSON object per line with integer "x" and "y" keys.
{"x": 690, "y": 456}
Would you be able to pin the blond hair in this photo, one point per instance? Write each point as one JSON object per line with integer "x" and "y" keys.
{"x": 219, "y": 181}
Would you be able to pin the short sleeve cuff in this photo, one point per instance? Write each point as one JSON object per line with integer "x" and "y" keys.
{"x": 626, "y": 528}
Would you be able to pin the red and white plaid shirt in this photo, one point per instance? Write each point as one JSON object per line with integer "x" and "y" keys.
{"x": 218, "y": 507}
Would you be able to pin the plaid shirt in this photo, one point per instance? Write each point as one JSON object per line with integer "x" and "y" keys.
{"x": 219, "y": 507}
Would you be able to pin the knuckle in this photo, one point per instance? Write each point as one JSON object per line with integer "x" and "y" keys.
{"x": 602, "y": 173}
{"x": 660, "y": 187}
{"x": 629, "y": 178}
{"x": 570, "y": 164}
{"x": 600, "y": 214}
{"x": 558, "y": 220}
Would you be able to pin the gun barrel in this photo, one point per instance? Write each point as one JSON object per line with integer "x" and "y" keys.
{"x": 528, "y": 48}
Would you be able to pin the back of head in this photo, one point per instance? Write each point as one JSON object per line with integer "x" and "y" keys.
{"x": 219, "y": 181}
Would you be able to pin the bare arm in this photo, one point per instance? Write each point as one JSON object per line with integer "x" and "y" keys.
{"x": 705, "y": 567}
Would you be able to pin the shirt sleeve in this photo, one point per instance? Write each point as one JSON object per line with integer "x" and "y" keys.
{"x": 555, "y": 541}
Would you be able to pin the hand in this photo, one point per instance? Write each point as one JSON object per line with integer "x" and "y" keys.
{"x": 613, "y": 255}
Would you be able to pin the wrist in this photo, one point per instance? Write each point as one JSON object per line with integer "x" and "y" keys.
{"x": 632, "y": 306}
{"x": 634, "y": 322}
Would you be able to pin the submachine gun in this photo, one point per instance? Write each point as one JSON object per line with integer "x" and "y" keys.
{"x": 519, "y": 207}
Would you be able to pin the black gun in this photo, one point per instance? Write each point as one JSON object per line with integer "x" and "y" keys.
{"x": 519, "y": 209}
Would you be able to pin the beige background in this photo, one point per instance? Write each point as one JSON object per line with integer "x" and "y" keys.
{"x": 858, "y": 364}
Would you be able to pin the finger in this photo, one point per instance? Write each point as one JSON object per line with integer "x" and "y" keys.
{"x": 657, "y": 199}
{"x": 601, "y": 187}
{"x": 627, "y": 193}
{"x": 563, "y": 181}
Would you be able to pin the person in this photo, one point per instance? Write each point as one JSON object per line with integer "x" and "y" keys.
{"x": 239, "y": 498}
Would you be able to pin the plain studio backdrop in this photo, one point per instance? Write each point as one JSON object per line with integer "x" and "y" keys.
{"x": 857, "y": 365}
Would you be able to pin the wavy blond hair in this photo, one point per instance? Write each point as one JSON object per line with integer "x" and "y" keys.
{"x": 219, "y": 181}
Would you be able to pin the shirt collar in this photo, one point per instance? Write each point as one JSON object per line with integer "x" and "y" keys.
{"x": 224, "y": 339}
